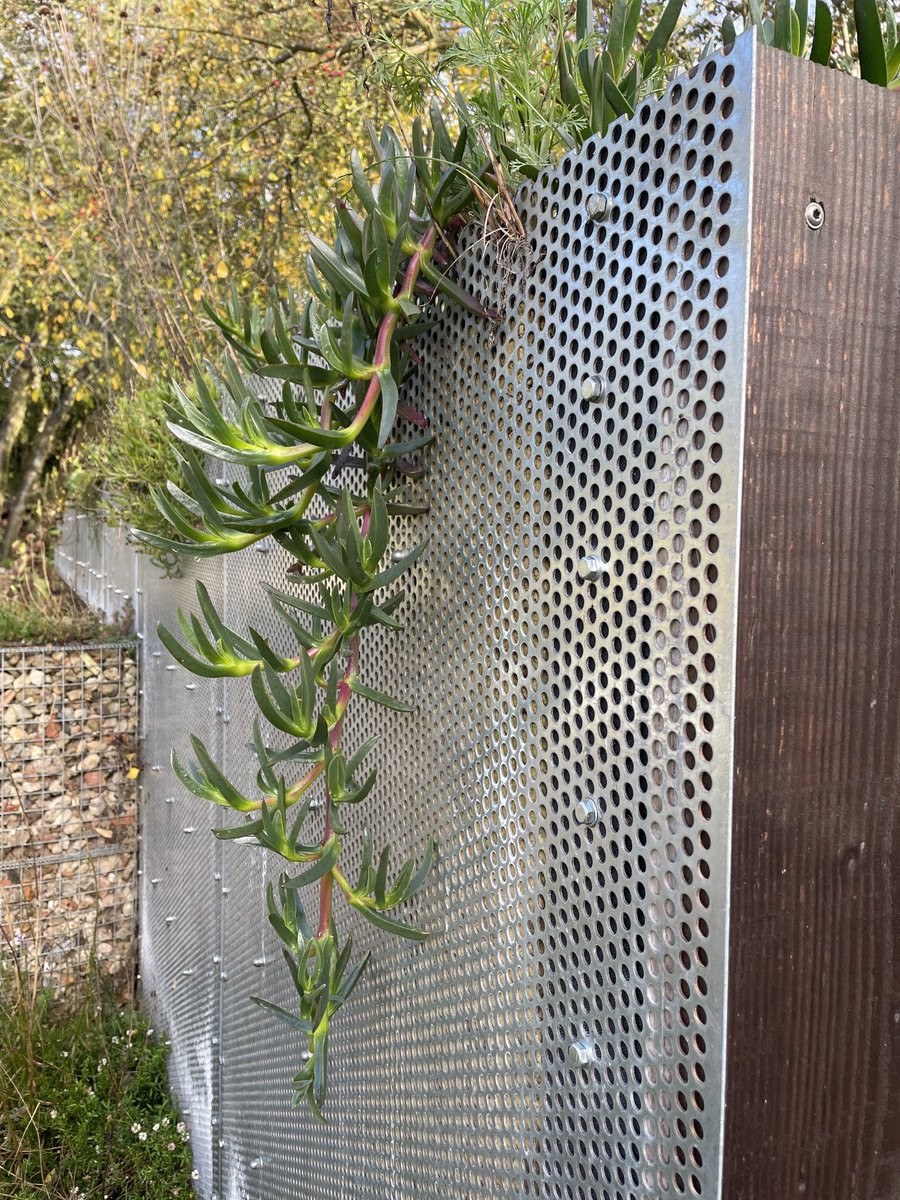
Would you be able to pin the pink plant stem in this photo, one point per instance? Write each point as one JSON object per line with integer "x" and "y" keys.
{"x": 388, "y": 325}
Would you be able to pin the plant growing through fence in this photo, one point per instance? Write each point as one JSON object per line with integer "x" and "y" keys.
{"x": 341, "y": 357}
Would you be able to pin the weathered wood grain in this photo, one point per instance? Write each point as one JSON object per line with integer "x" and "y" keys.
{"x": 813, "y": 1067}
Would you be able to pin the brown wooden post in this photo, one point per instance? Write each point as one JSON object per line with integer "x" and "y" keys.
{"x": 813, "y": 1046}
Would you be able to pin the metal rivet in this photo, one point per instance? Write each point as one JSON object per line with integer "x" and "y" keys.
{"x": 154, "y": 882}
{"x": 587, "y": 812}
{"x": 171, "y": 667}
{"x": 581, "y": 1054}
{"x": 189, "y": 687}
{"x": 217, "y": 876}
{"x": 156, "y": 768}
{"x": 398, "y": 555}
{"x": 815, "y": 215}
{"x": 593, "y": 388}
{"x": 255, "y": 1162}
{"x": 260, "y": 962}
{"x": 598, "y": 206}
{"x": 188, "y": 971}
{"x": 169, "y": 920}
{"x": 169, "y": 800}
{"x": 590, "y": 568}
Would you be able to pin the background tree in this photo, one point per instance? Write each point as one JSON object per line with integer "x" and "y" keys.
{"x": 150, "y": 153}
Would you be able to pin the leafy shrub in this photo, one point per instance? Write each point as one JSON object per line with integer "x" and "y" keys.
{"x": 127, "y": 453}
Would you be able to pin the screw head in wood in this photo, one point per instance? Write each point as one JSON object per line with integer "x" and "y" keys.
{"x": 815, "y": 215}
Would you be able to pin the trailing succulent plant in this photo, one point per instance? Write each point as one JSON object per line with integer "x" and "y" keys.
{"x": 341, "y": 358}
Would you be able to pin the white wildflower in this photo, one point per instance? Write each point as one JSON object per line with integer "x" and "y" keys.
{"x": 156, "y": 1127}
{"x": 142, "y": 1135}
{"x": 53, "y": 1113}
{"x": 136, "y": 1128}
{"x": 165, "y": 1122}
{"x": 195, "y": 1174}
{"x": 170, "y": 1147}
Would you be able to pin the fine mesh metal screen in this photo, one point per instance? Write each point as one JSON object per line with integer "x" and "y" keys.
{"x": 560, "y": 1035}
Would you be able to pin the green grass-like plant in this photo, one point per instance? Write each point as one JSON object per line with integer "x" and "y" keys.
{"x": 85, "y": 1109}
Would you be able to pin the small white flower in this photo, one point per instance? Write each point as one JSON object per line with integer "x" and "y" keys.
{"x": 115, "y": 1041}
{"x": 156, "y": 1127}
{"x": 195, "y": 1174}
{"x": 136, "y": 1128}
{"x": 170, "y": 1147}
{"x": 142, "y": 1135}
{"x": 180, "y": 1127}
{"x": 53, "y": 1113}
{"x": 65, "y": 1054}
{"x": 90, "y": 1091}
{"x": 165, "y": 1122}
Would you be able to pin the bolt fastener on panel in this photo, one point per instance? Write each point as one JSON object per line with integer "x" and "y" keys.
{"x": 586, "y": 812}
{"x": 581, "y": 1054}
{"x": 590, "y": 568}
{"x": 598, "y": 206}
{"x": 593, "y": 388}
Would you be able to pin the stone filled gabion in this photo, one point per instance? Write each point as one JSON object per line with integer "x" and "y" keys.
{"x": 68, "y": 769}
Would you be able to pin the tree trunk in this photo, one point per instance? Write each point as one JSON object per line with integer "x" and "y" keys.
{"x": 41, "y": 448}
{"x": 12, "y": 422}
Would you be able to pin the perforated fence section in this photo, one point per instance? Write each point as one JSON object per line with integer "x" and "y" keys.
{"x": 568, "y": 648}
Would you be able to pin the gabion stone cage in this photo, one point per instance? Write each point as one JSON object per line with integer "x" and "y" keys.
{"x": 654, "y": 722}
{"x": 68, "y": 762}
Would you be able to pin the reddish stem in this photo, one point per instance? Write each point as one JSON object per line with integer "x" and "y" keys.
{"x": 386, "y": 329}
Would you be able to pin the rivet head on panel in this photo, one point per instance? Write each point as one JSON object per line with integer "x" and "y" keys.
{"x": 581, "y": 1054}
{"x": 590, "y": 568}
{"x": 256, "y": 1162}
{"x": 815, "y": 214}
{"x": 598, "y": 206}
{"x": 593, "y": 388}
{"x": 586, "y": 812}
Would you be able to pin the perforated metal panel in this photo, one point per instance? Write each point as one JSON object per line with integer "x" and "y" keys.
{"x": 537, "y": 691}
